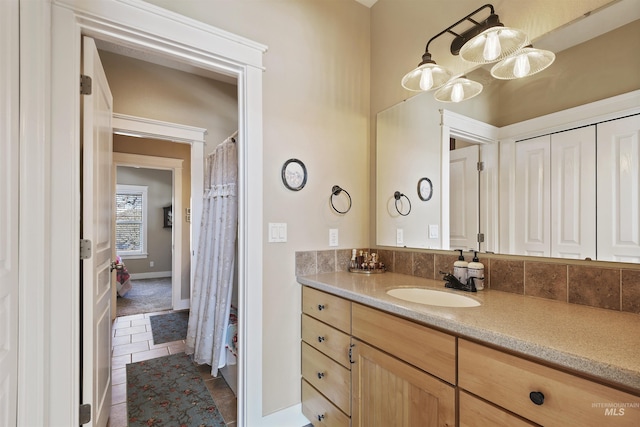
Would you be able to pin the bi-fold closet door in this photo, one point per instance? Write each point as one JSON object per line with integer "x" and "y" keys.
{"x": 618, "y": 189}
{"x": 555, "y": 197}
{"x": 578, "y": 193}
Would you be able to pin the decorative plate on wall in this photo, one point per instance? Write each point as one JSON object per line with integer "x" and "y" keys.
{"x": 425, "y": 189}
{"x": 294, "y": 174}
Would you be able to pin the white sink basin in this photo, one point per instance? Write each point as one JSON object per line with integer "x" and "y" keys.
{"x": 432, "y": 297}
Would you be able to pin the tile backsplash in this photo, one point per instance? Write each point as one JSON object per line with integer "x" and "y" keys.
{"x": 596, "y": 285}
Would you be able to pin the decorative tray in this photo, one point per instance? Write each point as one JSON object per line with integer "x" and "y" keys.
{"x": 362, "y": 271}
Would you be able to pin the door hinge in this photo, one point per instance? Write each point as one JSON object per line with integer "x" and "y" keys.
{"x": 85, "y": 248}
{"x": 85, "y": 413}
{"x": 480, "y": 237}
{"x": 85, "y": 85}
{"x": 480, "y": 166}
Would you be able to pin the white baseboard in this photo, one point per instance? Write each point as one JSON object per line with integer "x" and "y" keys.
{"x": 151, "y": 275}
{"x": 183, "y": 304}
{"x": 288, "y": 417}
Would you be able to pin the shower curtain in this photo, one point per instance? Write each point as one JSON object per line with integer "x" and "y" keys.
{"x": 214, "y": 269}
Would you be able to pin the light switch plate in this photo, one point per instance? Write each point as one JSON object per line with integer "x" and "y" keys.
{"x": 333, "y": 237}
{"x": 399, "y": 236}
{"x": 277, "y": 232}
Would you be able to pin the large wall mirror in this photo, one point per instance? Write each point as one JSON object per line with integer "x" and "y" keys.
{"x": 412, "y": 142}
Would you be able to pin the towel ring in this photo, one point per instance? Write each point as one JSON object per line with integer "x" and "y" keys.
{"x": 335, "y": 191}
{"x": 398, "y": 195}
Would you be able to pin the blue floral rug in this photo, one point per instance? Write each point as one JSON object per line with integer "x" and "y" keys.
{"x": 169, "y": 327}
{"x": 169, "y": 392}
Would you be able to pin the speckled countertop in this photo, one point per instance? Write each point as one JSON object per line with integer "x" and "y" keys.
{"x": 598, "y": 342}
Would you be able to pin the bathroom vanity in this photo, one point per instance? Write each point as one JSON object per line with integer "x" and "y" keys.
{"x": 370, "y": 359}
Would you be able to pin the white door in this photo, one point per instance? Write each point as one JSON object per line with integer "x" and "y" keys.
{"x": 619, "y": 190}
{"x": 532, "y": 204}
{"x": 96, "y": 226}
{"x": 573, "y": 183}
{"x": 9, "y": 187}
{"x": 464, "y": 209}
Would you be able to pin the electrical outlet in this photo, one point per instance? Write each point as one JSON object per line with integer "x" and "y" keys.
{"x": 152, "y": 264}
{"x": 433, "y": 231}
{"x": 333, "y": 237}
{"x": 399, "y": 236}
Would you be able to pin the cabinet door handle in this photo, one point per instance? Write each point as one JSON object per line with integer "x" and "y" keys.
{"x": 351, "y": 353}
{"x": 320, "y": 375}
{"x": 320, "y": 339}
{"x": 321, "y": 417}
{"x": 536, "y": 397}
{"x": 320, "y": 307}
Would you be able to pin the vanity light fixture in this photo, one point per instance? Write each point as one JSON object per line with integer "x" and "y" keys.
{"x": 526, "y": 62}
{"x": 487, "y": 41}
{"x": 458, "y": 89}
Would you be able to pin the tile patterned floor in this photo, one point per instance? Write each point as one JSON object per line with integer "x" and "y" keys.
{"x": 132, "y": 342}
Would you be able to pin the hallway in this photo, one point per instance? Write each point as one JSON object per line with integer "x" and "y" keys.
{"x": 132, "y": 342}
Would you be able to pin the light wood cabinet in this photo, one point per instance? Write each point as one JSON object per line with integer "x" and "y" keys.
{"x": 326, "y": 367}
{"x": 327, "y": 308}
{"x": 320, "y": 410}
{"x": 430, "y": 350}
{"x": 544, "y": 395}
{"x": 364, "y": 367}
{"x": 328, "y": 340}
{"x": 475, "y": 412}
{"x": 389, "y": 392}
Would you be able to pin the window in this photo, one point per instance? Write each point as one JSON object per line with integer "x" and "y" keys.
{"x": 131, "y": 221}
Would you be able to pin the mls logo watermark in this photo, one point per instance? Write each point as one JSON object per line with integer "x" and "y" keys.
{"x": 615, "y": 409}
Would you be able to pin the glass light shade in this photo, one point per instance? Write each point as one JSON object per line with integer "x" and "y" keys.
{"x": 493, "y": 44}
{"x": 426, "y": 77}
{"x": 525, "y": 63}
{"x": 459, "y": 89}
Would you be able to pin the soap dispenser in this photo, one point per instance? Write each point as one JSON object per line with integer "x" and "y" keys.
{"x": 460, "y": 268}
{"x": 475, "y": 270}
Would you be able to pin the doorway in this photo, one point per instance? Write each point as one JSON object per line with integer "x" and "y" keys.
{"x": 184, "y": 40}
{"x": 144, "y": 239}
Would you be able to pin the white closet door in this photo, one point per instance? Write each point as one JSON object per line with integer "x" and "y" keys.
{"x": 533, "y": 211}
{"x": 619, "y": 190}
{"x": 463, "y": 197}
{"x": 573, "y": 183}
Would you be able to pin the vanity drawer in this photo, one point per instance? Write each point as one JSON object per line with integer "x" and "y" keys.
{"x": 478, "y": 413}
{"x": 326, "y": 339}
{"x": 319, "y": 410}
{"x": 508, "y": 380}
{"x": 328, "y": 308}
{"x": 430, "y": 350}
{"x": 327, "y": 376}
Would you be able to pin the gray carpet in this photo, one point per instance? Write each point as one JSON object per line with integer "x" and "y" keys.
{"x": 145, "y": 296}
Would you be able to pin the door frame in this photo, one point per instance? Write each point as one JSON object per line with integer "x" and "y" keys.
{"x": 175, "y": 166}
{"x": 50, "y": 187}
{"x": 194, "y": 136}
{"x": 454, "y": 125}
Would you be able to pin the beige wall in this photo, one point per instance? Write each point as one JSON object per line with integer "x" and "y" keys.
{"x": 600, "y": 68}
{"x": 330, "y": 67}
{"x": 151, "y": 147}
{"x": 159, "y": 183}
{"x": 147, "y": 90}
{"x": 402, "y": 28}
{"x": 316, "y": 109}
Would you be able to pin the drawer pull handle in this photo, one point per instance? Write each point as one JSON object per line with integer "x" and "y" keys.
{"x": 536, "y": 397}
{"x": 320, "y": 417}
{"x": 320, "y": 307}
{"x": 320, "y": 339}
{"x": 320, "y": 375}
